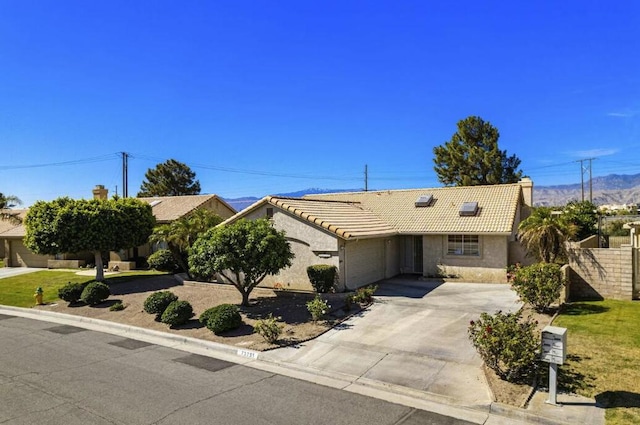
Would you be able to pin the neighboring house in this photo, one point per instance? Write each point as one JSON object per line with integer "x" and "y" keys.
{"x": 165, "y": 208}
{"x": 464, "y": 232}
{"x": 12, "y": 250}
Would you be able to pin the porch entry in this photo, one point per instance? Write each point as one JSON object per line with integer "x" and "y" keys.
{"x": 412, "y": 255}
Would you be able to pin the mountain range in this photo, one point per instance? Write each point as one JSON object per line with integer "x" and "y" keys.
{"x": 610, "y": 189}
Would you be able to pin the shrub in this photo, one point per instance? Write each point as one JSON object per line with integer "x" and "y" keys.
{"x": 506, "y": 343}
{"x": 177, "y": 313}
{"x": 322, "y": 277}
{"x": 318, "y": 308}
{"x": 117, "y": 306}
{"x": 365, "y": 295}
{"x": 158, "y": 302}
{"x": 269, "y": 328}
{"x": 539, "y": 284}
{"x": 71, "y": 292}
{"x": 349, "y": 300}
{"x": 95, "y": 292}
{"x": 163, "y": 261}
{"x": 221, "y": 318}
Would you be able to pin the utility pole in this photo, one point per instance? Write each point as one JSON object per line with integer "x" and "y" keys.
{"x": 590, "y": 182}
{"x": 583, "y": 169}
{"x": 366, "y": 178}
{"x": 125, "y": 174}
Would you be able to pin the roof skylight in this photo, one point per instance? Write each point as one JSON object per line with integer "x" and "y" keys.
{"x": 424, "y": 200}
{"x": 468, "y": 209}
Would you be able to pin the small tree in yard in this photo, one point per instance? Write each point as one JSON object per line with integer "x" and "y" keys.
{"x": 539, "y": 284}
{"x": 243, "y": 253}
{"x": 67, "y": 225}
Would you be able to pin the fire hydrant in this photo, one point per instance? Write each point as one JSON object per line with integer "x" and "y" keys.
{"x": 38, "y": 295}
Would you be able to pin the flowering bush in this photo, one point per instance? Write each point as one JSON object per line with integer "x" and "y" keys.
{"x": 506, "y": 343}
{"x": 318, "y": 308}
{"x": 268, "y": 328}
{"x": 539, "y": 284}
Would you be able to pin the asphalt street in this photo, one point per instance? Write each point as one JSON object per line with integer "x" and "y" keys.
{"x": 61, "y": 374}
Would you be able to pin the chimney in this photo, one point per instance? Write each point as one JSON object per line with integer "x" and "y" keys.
{"x": 99, "y": 192}
{"x": 527, "y": 190}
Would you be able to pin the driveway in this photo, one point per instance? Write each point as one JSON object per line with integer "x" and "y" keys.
{"x": 414, "y": 338}
{"x": 14, "y": 271}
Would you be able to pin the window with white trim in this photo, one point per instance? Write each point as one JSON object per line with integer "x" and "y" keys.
{"x": 463, "y": 245}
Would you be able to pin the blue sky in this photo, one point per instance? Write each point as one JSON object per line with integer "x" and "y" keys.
{"x": 265, "y": 97}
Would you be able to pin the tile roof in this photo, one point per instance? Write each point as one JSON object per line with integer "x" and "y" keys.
{"x": 497, "y": 207}
{"x": 345, "y": 219}
{"x": 170, "y": 208}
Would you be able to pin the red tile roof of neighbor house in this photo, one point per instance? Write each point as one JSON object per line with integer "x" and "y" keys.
{"x": 388, "y": 212}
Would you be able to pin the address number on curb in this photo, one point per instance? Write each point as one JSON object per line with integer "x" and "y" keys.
{"x": 247, "y": 353}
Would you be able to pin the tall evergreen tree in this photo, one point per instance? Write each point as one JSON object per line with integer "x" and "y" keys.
{"x": 472, "y": 157}
{"x": 170, "y": 178}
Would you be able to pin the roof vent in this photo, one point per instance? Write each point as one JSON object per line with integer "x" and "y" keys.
{"x": 424, "y": 200}
{"x": 469, "y": 209}
{"x": 156, "y": 202}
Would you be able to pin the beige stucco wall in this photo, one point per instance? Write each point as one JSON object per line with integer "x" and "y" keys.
{"x": 489, "y": 266}
{"x": 310, "y": 245}
{"x": 364, "y": 262}
{"x": 597, "y": 273}
{"x": 392, "y": 254}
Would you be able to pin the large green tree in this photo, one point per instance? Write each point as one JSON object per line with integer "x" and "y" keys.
{"x": 472, "y": 157}
{"x": 545, "y": 232}
{"x": 170, "y": 178}
{"x": 65, "y": 225}
{"x": 243, "y": 253}
{"x": 585, "y": 216}
{"x": 183, "y": 232}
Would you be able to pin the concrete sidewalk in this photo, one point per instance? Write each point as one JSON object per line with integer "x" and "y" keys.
{"x": 363, "y": 356}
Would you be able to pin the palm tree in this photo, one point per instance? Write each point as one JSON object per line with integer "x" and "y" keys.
{"x": 545, "y": 232}
{"x": 183, "y": 232}
{"x": 6, "y": 203}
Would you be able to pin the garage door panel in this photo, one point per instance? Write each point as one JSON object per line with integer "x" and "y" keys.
{"x": 366, "y": 262}
{"x": 22, "y": 257}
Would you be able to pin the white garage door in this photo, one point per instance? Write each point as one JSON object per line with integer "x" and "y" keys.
{"x": 22, "y": 257}
{"x": 365, "y": 262}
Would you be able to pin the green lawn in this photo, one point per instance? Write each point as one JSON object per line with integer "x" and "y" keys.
{"x": 603, "y": 340}
{"x": 18, "y": 290}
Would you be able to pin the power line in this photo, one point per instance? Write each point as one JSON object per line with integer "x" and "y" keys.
{"x": 61, "y": 164}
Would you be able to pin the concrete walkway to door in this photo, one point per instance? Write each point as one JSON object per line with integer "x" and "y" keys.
{"x": 414, "y": 339}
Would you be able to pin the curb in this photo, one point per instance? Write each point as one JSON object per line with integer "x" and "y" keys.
{"x": 384, "y": 391}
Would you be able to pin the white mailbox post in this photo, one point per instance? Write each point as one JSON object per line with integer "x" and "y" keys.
{"x": 554, "y": 352}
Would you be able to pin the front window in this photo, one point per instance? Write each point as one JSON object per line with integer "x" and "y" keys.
{"x": 463, "y": 245}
